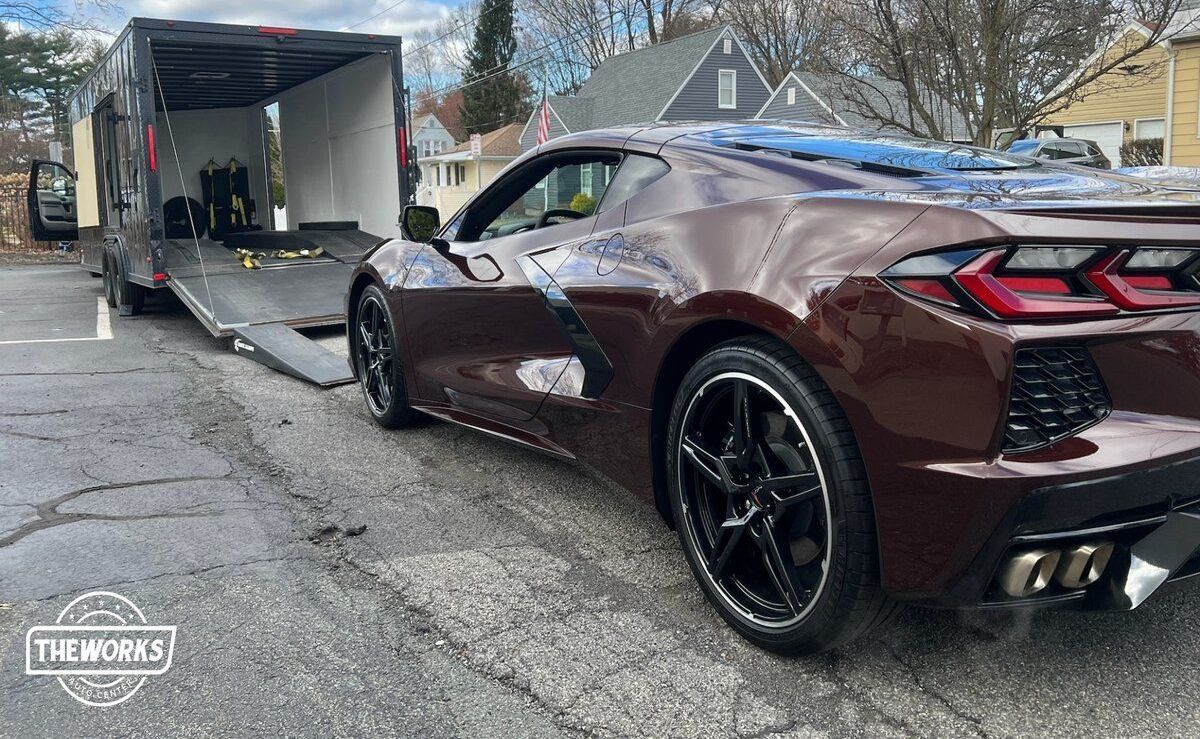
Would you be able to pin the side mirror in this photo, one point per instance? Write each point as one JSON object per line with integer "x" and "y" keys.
{"x": 419, "y": 222}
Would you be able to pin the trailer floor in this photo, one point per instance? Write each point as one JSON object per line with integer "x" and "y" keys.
{"x": 212, "y": 281}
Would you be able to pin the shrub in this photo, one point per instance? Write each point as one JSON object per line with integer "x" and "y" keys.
{"x": 583, "y": 203}
{"x": 1142, "y": 153}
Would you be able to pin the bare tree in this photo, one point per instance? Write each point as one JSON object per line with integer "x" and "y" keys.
{"x": 44, "y": 16}
{"x": 784, "y": 35}
{"x": 998, "y": 63}
{"x": 670, "y": 19}
{"x": 574, "y": 36}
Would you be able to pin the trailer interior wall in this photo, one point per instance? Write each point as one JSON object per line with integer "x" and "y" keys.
{"x": 217, "y": 134}
{"x": 338, "y": 141}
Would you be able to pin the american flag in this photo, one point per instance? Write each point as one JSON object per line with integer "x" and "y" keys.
{"x": 544, "y": 122}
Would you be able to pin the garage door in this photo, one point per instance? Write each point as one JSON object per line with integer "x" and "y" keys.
{"x": 1107, "y": 135}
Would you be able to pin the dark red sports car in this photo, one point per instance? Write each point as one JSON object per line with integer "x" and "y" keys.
{"x": 851, "y": 369}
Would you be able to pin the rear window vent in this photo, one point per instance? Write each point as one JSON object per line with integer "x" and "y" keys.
{"x": 860, "y": 164}
{"x": 1056, "y": 392}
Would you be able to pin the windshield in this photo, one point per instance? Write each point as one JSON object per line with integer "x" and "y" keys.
{"x": 1024, "y": 146}
{"x": 885, "y": 150}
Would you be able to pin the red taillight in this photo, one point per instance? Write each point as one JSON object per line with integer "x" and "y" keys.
{"x": 1047, "y": 285}
{"x": 1150, "y": 282}
{"x": 979, "y": 280}
{"x": 276, "y": 31}
{"x": 152, "y": 147}
{"x": 1107, "y": 276}
{"x": 402, "y": 143}
{"x": 1036, "y": 281}
{"x": 928, "y": 288}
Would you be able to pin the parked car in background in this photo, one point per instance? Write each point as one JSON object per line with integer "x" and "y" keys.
{"x": 1072, "y": 151}
{"x": 851, "y": 369}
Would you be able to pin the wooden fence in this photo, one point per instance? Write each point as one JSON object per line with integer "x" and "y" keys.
{"x": 14, "y": 222}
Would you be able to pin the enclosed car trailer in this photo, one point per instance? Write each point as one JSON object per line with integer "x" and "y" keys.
{"x": 180, "y": 110}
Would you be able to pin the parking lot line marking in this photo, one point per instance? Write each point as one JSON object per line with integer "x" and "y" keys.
{"x": 103, "y": 329}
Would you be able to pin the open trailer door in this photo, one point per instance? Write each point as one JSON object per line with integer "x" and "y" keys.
{"x": 232, "y": 258}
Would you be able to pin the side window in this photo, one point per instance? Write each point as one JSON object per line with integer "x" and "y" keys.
{"x": 727, "y": 88}
{"x": 635, "y": 174}
{"x": 1055, "y": 151}
{"x": 1072, "y": 148}
{"x": 571, "y": 183}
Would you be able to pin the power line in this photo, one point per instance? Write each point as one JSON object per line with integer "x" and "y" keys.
{"x": 388, "y": 9}
{"x": 452, "y": 31}
{"x": 500, "y": 69}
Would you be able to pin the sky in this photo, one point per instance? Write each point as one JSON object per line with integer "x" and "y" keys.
{"x": 332, "y": 15}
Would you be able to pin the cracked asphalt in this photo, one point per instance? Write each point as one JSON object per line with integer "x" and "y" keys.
{"x": 329, "y": 577}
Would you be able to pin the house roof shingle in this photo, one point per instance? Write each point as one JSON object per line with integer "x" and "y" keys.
{"x": 883, "y": 95}
{"x": 503, "y": 142}
{"x": 634, "y": 86}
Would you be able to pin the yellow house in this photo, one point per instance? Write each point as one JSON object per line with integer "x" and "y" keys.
{"x": 1151, "y": 95}
{"x": 448, "y": 179}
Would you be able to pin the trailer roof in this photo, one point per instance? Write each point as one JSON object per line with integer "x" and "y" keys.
{"x": 216, "y": 65}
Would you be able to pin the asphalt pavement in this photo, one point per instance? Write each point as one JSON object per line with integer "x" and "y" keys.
{"x": 328, "y": 577}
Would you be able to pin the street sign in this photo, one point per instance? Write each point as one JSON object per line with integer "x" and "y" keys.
{"x": 476, "y": 145}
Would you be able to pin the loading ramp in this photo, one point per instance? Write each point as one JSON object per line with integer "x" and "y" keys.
{"x": 261, "y": 308}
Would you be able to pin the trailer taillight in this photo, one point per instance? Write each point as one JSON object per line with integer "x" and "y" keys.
{"x": 402, "y": 142}
{"x": 152, "y": 147}
{"x": 276, "y": 31}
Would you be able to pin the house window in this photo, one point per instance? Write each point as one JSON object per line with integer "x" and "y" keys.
{"x": 726, "y": 88}
{"x": 791, "y": 96}
{"x": 426, "y": 150}
{"x": 437, "y": 175}
{"x": 460, "y": 174}
{"x": 728, "y": 46}
{"x": 1149, "y": 128}
{"x": 585, "y": 179}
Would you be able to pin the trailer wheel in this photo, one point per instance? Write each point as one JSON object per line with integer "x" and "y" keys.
{"x": 106, "y": 274}
{"x": 130, "y": 297}
{"x": 377, "y": 359}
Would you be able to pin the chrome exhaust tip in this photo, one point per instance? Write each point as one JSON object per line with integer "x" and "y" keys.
{"x": 1029, "y": 572}
{"x": 1083, "y": 565}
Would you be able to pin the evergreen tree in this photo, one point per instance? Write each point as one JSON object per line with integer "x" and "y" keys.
{"x": 494, "y": 96}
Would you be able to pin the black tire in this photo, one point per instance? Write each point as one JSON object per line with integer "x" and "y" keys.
{"x": 377, "y": 361}
{"x": 106, "y": 274}
{"x": 130, "y": 297}
{"x": 778, "y": 499}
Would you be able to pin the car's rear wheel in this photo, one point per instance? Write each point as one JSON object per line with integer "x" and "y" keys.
{"x": 771, "y": 502}
{"x": 378, "y": 363}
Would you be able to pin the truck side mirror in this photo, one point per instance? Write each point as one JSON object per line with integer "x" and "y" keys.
{"x": 419, "y": 222}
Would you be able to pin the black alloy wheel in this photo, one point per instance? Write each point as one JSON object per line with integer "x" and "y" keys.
{"x": 377, "y": 362}
{"x": 755, "y": 499}
{"x": 767, "y": 491}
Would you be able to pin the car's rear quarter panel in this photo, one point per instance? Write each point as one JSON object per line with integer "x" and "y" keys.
{"x": 926, "y": 392}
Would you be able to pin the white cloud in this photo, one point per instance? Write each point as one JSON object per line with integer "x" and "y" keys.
{"x": 407, "y": 17}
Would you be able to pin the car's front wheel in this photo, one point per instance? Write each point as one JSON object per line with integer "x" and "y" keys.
{"x": 771, "y": 501}
{"x": 377, "y": 360}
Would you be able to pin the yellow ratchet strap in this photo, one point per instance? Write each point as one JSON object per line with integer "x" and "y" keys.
{"x": 250, "y": 259}
{"x": 298, "y": 254}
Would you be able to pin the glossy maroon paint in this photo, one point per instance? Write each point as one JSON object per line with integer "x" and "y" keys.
{"x": 735, "y": 242}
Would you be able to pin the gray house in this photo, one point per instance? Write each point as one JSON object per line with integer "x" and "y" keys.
{"x": 430, "y": 137}
{"x": 706, "y": 75}
{"x": 837, "y": 100}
